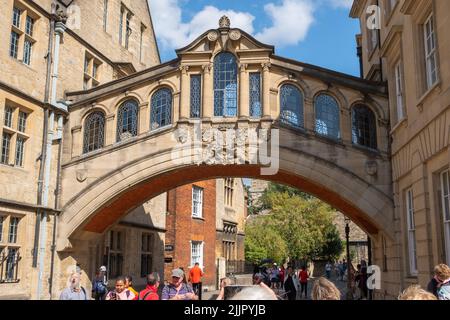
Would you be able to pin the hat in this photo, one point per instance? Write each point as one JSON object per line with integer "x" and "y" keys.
{"x": 178, "y": 273}
{"x": 103, "y": 269}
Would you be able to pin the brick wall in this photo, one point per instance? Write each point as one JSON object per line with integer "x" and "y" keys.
{"x": 182, "y": 229}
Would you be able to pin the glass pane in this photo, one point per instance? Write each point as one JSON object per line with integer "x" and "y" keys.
{"x": 364, "y": 129}
{"x": 196, "y": 95}
{"x": 291, "y": 102}
{"x": 225, "y": 85}
{"x": 327, "y": 117}
{"x": 94, "y": 132}
{"x": 127, "y": 120}
{"x": 161, "y": 110}
{"x": 255, "y": 95}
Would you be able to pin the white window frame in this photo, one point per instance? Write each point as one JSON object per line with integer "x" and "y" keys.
{"x": 201, "y": 250}
{"x": 412, "y": 245}
{"x": 13, "y": 230}
{"x": 446, "y": 211}
{"x": 430, "y": 51}
{"x": 197, "y": 204}
{"x": 399, "y": 91}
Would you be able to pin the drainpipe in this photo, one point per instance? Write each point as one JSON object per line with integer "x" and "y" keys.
{"x": 59, "y": 136}
{"x": 59, "y": 31}
{"x": 43, "y": 156}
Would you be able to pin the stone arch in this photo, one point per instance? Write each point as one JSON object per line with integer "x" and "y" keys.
{"x": 121, "y": 99}
{"x": 376, "y": 108}
{"x": 159, "y": 85}
{"x": 87, "y": 112}
{"x": 302, "y": 84}
{"x": 111, "y": 196}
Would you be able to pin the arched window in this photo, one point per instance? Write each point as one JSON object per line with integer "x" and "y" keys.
{"x": 94, "y": 132}
{"x": 327, "y": 116}
{"x": 364, "y": 128}
{"x": 161, "y": 113}
{"x": 127, "y": 120}
{"x": 225, "y": 85}
{"x": 291, "y": 103}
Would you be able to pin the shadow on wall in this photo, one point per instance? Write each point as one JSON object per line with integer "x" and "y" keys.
{"x": 133, "y": 246}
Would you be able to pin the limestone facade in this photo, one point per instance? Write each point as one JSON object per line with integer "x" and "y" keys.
{"x": 89, "y": 55}
{"x": 410, "y": 52}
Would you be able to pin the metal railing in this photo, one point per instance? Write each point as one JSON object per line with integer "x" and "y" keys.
{"x": 9, "y": 267}
{"x": 238, "y": 267}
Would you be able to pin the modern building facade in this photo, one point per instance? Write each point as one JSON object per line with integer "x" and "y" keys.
{"x": 410, "y": 52}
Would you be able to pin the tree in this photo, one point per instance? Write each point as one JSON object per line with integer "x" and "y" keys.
{"x": 301, "y": 224}
{"x": 263, "y": 242}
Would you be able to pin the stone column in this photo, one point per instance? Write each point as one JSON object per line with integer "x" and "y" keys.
{"x": 266, "y": 90}
{"x": 144, "y": 118}
{"x": 244, "y": 98}
{"x": 208, "y": 97}
{"x": 77, "y": 142}
{"x": 185, "y": 96}
{"x": 110, "y": 134}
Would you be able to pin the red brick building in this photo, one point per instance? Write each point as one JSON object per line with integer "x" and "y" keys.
{"x": 191, "y": 229}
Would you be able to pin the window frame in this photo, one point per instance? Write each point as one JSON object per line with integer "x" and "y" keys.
{"x": 411, "y": 233}
{"x": 255, "y": 95}
{"x": 399, "y": 91}
{"x": 17, "y": 14}
{"x": 13, "y": 229}
{"x": 131, "y": 109}
{"x": 334, "y": 122}
{"x": 6, "y": 150}
{"x": 196, "y": 87}
{"x": 430, "y": 52}
{"x": 161, "y": 110}
{"x": 285, "y": 107}
{"x": 100, "y": 135}
{"x": 14, "y": 45}
{"x": 197, "y": 202}
{"x": 355, "y": 129}
{"x": 200, "y": 244}
{"x": 8, "y": 116}
{"x": 147, "y": 253}
{"x": 27, "y": 52}
{"x": 445, "y": 198}
{"x": 225, "y": 86}
{"x": 20, "y": 151}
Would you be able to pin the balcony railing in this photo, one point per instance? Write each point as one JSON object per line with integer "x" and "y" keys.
{"x": 9, "y": 266}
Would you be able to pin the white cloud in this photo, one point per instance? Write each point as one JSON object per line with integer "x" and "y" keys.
{"x": 290, "y": 22}
{"x": 174, "y": 34}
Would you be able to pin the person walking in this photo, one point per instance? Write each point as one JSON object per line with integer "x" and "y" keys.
{"x": 151, "y": 291}
{"x": 291, "y": 284}
{"x": 100, "y": 284}
{"x": 274, "y": 276}
{"x": 282, "y": 276}
{"x": 195, "y": 278}
{"x": 176, "y": 289}
{"x": 328, "y": 268}
{"x": 74, "y": 290}
{"x": 120, "y": 292}
{"x": 304, "y": 276}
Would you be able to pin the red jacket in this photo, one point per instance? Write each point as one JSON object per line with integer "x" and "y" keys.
{"x": 149, "y": 293}
{"x": 303, "y": 275}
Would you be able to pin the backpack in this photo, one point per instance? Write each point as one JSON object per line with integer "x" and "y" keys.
{"x": 99, "y": 287}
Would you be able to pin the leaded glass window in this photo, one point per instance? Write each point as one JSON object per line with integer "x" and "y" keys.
{"x": 291, "y": 102}
{"x": 13, "y": 226}
{"x": 20, "y": 147}
{"x": 255, "y": 95}
{"x": 8, "y": 116}
{"x": 94, "y": 132}
{"x": 364, "y": 129}
{"x": 14, "y": 45}
{"x": 327, "y": 116}
{"x": 16, "y": 17}
{"x": 161, "y": 113}
{"x": 225, "y": 85}
{"x": 22, "y": 124}
{"x": 127, "y": 120}
{"x": 27, "y": 52}
{"x": 6, "y": 144}
{"x": 29, "y": 26}
{"x": 196, "y": 95}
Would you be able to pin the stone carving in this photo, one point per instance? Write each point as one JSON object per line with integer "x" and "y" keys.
{"x": 81, "y": 175}
{"x": 371, "y": 167}
{"x": 224, "y": 22}
{"x": 235, "y": 34}
{"x": 213, "y": 36}
{"x": 182, "y": 135}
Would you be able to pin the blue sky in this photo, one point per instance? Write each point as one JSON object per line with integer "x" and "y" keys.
{"x": 319, "y": 32}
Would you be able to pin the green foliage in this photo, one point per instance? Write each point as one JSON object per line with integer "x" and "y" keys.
{"x": 298, "y": 227}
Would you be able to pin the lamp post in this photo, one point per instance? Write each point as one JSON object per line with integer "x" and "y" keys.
{"x": 347, "y": 238}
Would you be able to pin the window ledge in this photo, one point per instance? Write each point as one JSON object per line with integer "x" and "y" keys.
{"x": 399, "y": 124}
{"x": 198, "y": 218}
{"x": 366, "y": 149}
{"x": 435, "y": 87}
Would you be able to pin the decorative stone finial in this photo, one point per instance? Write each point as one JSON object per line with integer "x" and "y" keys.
{"x": 224, "y": 22}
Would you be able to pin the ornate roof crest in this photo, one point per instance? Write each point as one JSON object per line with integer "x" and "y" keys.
{"x": 224, "y": 22}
